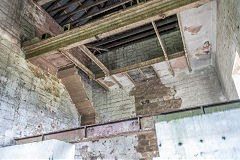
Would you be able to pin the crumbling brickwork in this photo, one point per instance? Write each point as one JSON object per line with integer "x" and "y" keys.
{"x": 153, "y": 97}
{"x": 147, "y": 146}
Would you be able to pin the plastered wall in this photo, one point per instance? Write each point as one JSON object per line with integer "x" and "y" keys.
{"x": 228, "y": 40}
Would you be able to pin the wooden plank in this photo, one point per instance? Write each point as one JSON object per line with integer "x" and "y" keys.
{"x": 165, "y": 30}
{"x": 163, "y": 48}
{"x": 111, "y": 25}
{"x": 68, "y": 4}
{"x": 83, "y": 8}
{"x": 115, "y": 80}
{"x": 96, "y": 48}
{"x": 103, "y": 84}
{"x": 94, "y": 59}
{"x": 78, "y": 64}
{"x": 101, "y": 11}
{"x": 71, "y": 17}
{"x": 130, "y": 78}
{"x": 184, "y": 43}
{"x": 136, "y": 31}
{"x": 141, "y": 64}
{"x": 42, "y": 2}
{"x": 52, "y": 5}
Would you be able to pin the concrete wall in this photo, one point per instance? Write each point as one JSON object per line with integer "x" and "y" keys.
{"x": 46, "y": 150}
{"x": 228, "y": 40}
{"x": 205, "y": 136}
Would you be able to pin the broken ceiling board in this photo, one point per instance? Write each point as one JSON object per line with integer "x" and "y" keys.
{"x": 162, "y": 69}
{"x": 116, "y": 23}
{"x": 136, "y": 75}
{"x": 148, "y": 72}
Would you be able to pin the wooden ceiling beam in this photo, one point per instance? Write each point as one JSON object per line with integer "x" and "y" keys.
{"x": 136, "y": 31}
{"x": 101, "y": 11}
{"x": 116, "y": 23}
{"x": 74, "y": 60}
{"x": 184, "y": 43}
{"x": 52, "y": 5}
{"x": 142, "y": 74}
{"x": 96, "y": 48}
{"x": 68, "y": 4}
{"x": 140, "y": 36}
{"x": 130, "y": 78}
{"x": 42, "y": 2}
{"x": 70, "y": 17}
{"x": 163, "y": 48}
{"x": 83, "y": 8}
{"x": 94, "y": 59}
{"x": 141, "y": 64}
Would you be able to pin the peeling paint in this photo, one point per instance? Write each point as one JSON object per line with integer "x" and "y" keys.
{"x": 205, "y": 49}
{"x": 193, "y": 29}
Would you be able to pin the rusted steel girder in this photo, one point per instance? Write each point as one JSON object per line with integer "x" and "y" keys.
{"x": 137, "y": 125}
{"x": 124, "y": 127}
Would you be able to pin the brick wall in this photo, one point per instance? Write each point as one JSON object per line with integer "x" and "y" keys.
{"x": 200, "y": 87}
{"x": 132, "y": 147}
{"x": 24, "y": 20}
{"x": 228, "y": 40}
{"x": 31, "y": 102}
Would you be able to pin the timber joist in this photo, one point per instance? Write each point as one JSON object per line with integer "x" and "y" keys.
{"x": 127, "y": 19}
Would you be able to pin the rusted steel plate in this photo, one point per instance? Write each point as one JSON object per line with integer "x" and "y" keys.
{"x": 66, "y": 136}
{"x": 29, "y": 140}
{"x": 115, "y": 128}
